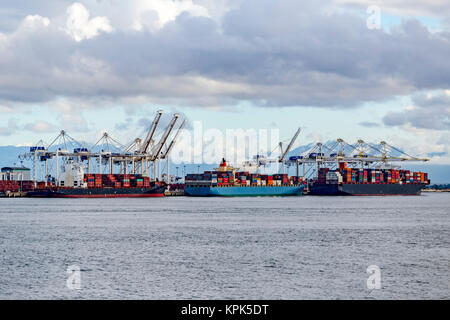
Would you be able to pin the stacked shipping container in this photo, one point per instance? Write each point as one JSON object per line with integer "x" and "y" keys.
{"x": 227, "y": 179}
{"x": 350, "y": 175}
{"x": 116, "y": 181}
{"x": 15, "y": 186}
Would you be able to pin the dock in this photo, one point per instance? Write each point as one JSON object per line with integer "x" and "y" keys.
{"x": 174, "y": 193}
{"x": 10, "y": 194}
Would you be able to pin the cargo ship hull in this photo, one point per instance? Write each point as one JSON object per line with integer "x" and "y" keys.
{"x": 139, "y": 192}
{"x": 365, "y": 189}
{"x": 247, "y": 191}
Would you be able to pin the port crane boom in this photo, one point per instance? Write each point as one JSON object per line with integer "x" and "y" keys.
{"x": 151, "y": 132}
{"x": 157, "y": 149}
{"x": 289, "y": 147}
{"x": 172, "y": 143}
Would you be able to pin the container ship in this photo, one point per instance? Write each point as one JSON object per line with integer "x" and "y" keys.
{"x": 226, "y": 181}
{"x": 76, "y": 184}
{"x": 367, "y": 182}
{"x": 152, "y": 190}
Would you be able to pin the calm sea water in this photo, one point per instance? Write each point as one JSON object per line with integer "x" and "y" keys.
{"x": 214, "y": 248}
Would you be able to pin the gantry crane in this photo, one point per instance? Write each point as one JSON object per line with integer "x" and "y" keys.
{"x": 106, "y": 150}
{"x": 165, "y": 155}
{"x": 359, "y": 154}
{"x": 260, "y": 160}
{"x": 155, "y": 153}
{"x": 289, "y": 147}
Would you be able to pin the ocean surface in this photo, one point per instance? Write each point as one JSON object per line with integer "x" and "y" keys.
{"x": 234, "y": 248}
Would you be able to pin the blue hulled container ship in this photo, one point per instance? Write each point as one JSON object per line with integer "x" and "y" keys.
{"x": 226, "y": 181}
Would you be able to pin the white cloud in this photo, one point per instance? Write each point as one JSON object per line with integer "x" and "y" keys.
{"x": 156, "y": 13}
{"x": 423, "y": 143}
{"x": 403, "y": 7}
{"x": 25, "y": 144}
{"x": 275, "y": 56}
{"x": 35, "y": 22}
{"x": 80, "y": 27}
{"x": 40, "y": 127}
{"x": 429, "y": 111}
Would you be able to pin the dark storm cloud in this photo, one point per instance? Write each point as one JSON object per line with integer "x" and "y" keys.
{"x": 271, "y": 53}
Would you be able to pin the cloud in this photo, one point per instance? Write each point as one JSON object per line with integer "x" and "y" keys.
{"x": 437, "y": 154}
{"x": 74, "y": 122}
{"x": 124, "y": 125}
{"x": 34, "y": 22}
{"x": 80, "y": 27}
{"x": 369, "y": 124}
{"x": 280, "y": 54}
{"x": 10, "y": 128}
{"x": 444, "y": 139}
{"x": 429, "y": 111}
{"x": 40, "y": 127}
{"x": 155, "y": 14}
{"x": 394, "y": 119}
{"x": 402, "y": 7}
{"x": 423, "y": 143}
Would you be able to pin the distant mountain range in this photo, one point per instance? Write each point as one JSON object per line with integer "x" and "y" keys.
{"x": 9, "y": 155}
{"x": 438, "y": 173}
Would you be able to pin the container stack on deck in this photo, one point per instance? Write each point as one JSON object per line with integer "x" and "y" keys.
{"x": 387, "y": 176}
{"x": 227, "y": 178}
{"x": 368, "y": 181}
{"x": 352, "y": 175}
{"x": 15, "y": 186}
{"x": 116, "y": 180}
{"x": 226, "y": 181}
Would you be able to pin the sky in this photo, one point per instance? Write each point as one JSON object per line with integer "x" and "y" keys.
{"x": 327, "y": 66}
